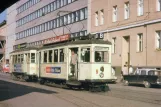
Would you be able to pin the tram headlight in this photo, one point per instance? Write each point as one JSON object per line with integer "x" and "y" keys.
{"x": 102, "y": 69}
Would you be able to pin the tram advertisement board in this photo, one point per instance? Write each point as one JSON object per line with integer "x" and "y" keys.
{"x": 56, "y": 70}
{"x": 17, "y": 68}
{"x": 56, "y": 39}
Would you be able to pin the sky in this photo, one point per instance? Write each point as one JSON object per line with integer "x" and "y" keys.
{"x": 2, "y": 16}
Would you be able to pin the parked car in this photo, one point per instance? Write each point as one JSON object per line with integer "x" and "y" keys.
{"x": 6, "y": 68}
{"x": 147, "y": 77}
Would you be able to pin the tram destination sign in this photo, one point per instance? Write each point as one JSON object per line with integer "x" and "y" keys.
{"x": 56, "y": 39}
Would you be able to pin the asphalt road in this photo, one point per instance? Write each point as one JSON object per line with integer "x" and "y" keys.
{"x": 23, "y": 94}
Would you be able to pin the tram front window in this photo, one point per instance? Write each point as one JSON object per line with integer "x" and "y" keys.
{"x": 32, "y": 57}
{"x": 85, "y": 55}
{"x": 101, "y": 54}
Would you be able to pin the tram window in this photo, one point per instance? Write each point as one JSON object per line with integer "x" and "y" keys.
{"x": 19, "y": 60}
{"x": 61, "y": 55}
{"x": 15, "y": 58}
{"x": 85, "y": 55}
{"x": 50, "y": 56}
{"x": 28, "y": 58}
{"x": 22, "y": 58}
{"x": 56, "y": 55}
{"x": 45, "y": 56}
{"x": 32, "y": 57}
{"x": 101, "y": 54}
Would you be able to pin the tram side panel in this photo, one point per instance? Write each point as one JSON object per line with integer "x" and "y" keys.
{"x": 53, "y": 71}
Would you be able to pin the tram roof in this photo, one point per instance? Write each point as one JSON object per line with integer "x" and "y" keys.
{"x": 79, "y": 42}
{"x": 25, "y": 49}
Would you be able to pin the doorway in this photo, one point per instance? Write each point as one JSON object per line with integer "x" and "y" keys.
{"x": 73, "y": 64}
{"x": 126, "y": 51}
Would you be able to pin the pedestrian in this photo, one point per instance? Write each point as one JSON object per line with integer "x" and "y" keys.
{"x": 74, "y": 60}
{"x": 131, "y": 70}
{"x": 123, "y": 72}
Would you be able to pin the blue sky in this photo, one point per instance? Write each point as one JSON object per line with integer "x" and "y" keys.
{"x": 2, "y": 16}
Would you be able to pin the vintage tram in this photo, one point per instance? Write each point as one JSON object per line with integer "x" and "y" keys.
{"x": 53, "y": 63}
{"x": 23, "y": 65}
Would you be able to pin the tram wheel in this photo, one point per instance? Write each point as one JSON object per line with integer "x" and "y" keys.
{"x": 14, "y": 77}
{"x": 42, "y": 81}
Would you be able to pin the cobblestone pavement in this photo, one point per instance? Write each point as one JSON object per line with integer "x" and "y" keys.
{"x": 23, "y": 94}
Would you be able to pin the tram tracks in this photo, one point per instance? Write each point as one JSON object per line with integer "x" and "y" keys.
{"x": 127, "y": 94}
{"x": 152, "y": 98}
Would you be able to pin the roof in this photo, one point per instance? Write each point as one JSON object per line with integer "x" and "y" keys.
{"x": 25, "y": 49}
{"x": 79, "y": 42}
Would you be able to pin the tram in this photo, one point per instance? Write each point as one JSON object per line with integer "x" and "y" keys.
{"x": 23, "y": 64}
{"x": 80, "y": 63}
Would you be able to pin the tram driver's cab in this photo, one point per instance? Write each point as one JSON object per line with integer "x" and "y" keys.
{"x": 93, "y": 61}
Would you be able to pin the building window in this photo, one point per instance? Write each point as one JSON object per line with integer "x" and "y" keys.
{"x": 55, "y": 23}
{"x": 41, "y": 12}
{"x": 158, "y": 5}
{"x": 69, "y": 1}
{"x": 86, "y": 13}
{"x": 140, "y": 42}
{"x": 96, "y": 18}
{"x": 82, "y": 14}
{"x": 158, "y": 39}
{"x": 77, "y": 16}
{"x": 114, "y": 13}
{"x": 113, "y": 45}
{"x": 102, "y": 17}
{"x": 140, "y": 7}
{"x": 127, "y": 10}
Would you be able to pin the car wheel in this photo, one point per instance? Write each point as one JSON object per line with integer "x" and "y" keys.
{"x": 147, "y": 84}
{"x": 126, "y": 82}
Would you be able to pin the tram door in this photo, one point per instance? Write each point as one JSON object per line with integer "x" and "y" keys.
{"x": 73, "y": 63}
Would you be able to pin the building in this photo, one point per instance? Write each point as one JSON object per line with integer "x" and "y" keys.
{"x": 40, "y": 22}
{"x": 3, "y": 32}
{"x": 11, "y": 28}
{"x": 133, "y": 27}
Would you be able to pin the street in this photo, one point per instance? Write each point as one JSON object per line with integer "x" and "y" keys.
{"x": 28, "y": 94}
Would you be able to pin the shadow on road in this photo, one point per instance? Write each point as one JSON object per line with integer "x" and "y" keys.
{"x": 11, "y": 90}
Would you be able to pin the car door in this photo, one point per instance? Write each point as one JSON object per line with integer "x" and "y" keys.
{"x": 142, "y": 76}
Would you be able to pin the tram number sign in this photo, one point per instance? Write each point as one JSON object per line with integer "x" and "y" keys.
{"x": 54, "y": 70}
{"x": 99, "y": 35}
